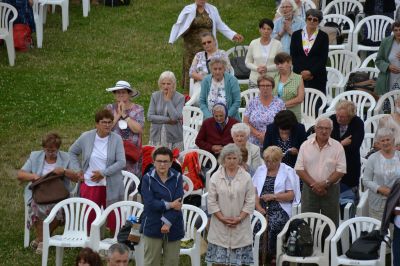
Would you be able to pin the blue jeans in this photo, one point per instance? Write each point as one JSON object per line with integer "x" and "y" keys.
{"x": 396, "y": 246}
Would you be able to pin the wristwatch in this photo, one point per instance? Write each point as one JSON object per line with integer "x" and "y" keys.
{"x": 327, "y": 182}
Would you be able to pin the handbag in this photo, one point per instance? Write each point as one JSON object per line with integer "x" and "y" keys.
{"x": 238, "y": 64}
{"x": 49, "y": 189}
{"x": 367, "y": 246}
{"x": 22, "y": 37}
{"x": 132, "y": 152}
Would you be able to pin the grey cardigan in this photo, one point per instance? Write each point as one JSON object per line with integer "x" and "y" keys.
{"x": 115, "y": 162}
{"x": 160, "y": 112}
{"x": 35, "y": 164}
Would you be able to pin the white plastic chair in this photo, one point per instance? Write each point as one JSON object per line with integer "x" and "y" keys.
{"x": 122, "y": 211}
{"x": 369, "y": 59}
{"x": 187, "y": 182}
{"x": 361, "y": 99}
{"x": 308, "y": 106}
{"x": 204, "y": 158}
{"x": 334, "y": 83}
{"x": 353, "y": 228}
{"x": 341, "y": 7}
{"x": 64, "y": 4}
{"x": 318, "y": 223}
{"x": 241, "y": 51}
{"x": 370, "y": 128}
{"x": 341, "y": 20}
{"x": 390, "y": 97}
{"x": 309, "y": 4}
{"x": 190, "y": 215}
{"x": 192, "y": 117}
{"x": 249, "y": 95}
{"x": 372, "y": 27}
{"x": 194, "y": 92}
{"x": 76, "y": 211}
{"x": 38, "y": 18}
{"x": 257, "y": 217}
{"x": 189, "y": 138}
{"x": 344, "y": 61}
{"x": 130, "y": 178}
{"x": 8, "y": 14}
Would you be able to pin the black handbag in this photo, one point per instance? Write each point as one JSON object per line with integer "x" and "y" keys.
{"x": 113, "y": 3}
{"x": 367, "y": 246}
{"x": 238, "y": 64}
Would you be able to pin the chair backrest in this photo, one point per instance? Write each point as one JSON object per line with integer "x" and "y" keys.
{"x": 344, "y": 61}
{"x": 189, "y": 137}
{"x": 130, "y": 178}
{"x": 241, "y": 50}
{"x": 187, "y": 186}
{"x": 192, "y": 117}
{"x": 308, "y": 106}
{"x": 308, "y": 4}
{"x": 361, "y": 99}
{"x": 190, "y": 216}
{"x": 76, "y": 212}
{"x": 334, "y": 83}
{"x": 206, "y": 159}
{"x": 257, "y": 217}
{"x": 356, "y": 225}
{"x": 369, "y": 59}
{"x": 370, "y": 127}
{"x": 389, "y": 98}
{"x": 346, "y": 25}
{"x": 342, "y": 7}
{"x": 249, "y": 94}
{"x": 8, "y": 14}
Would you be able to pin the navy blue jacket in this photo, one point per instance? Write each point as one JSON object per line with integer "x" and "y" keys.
{"x": 155, "y": 193}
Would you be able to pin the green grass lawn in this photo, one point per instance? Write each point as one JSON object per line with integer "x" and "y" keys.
{"x": 60, "y": 86}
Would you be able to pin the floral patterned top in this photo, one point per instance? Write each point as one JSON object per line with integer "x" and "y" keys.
{"x": 136, "y": 113}
{"x": 200, "y": 62}
{"x": 261, "y": 116}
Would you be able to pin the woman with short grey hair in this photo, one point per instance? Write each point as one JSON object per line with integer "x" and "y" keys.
{"x": 381, "y": 171}
{"x": 240, "y": 134}
{"x": 165, "y": 113}
{"x": 231, "y": 201}
{"x": 219, "y": 87}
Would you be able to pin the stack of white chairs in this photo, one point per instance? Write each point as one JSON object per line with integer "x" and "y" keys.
{"x": 334, "y": 84}
{"x": 189, "y": 138}
{"x": 8, "y": 14}
{"x": 342, "y": 21}
{"x": 344, "y": 61}
{"x": 388, "y": 97}
{"x": 342, "y": 7}
{"x": 192, "y": 117}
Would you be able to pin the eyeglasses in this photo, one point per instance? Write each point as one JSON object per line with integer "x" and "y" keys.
{"x": 50, "y": 152}
{"x": 106, "y": 122}
{"x": 264, "y": 86}
{"x": 162, "y": 162}
{"x": 286, "y": 7}
{"x": 312, "y": 19}
{"x": 323, "y": 128}
{"x": 206, "y": 42}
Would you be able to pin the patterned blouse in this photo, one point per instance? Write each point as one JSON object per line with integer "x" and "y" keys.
{"x": 200, "y": 62}
{"x": 261, "y": 116}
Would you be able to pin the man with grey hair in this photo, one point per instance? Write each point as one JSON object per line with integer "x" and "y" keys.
{"x": 118, "y": 255}
{"x": 321, "y": 164}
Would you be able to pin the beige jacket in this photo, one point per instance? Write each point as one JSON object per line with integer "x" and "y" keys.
{"x": 231, "y": 198}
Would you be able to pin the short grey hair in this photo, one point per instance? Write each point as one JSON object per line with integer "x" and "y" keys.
{"x": 218, "y": 59}
{"x": 384, "y": 132}
{"x": 323, "y": 119}
{"x": 218, "y": 107}
{"x": 240, "y": 127}
{"x": 291, "y": 2}
{"x": 117, "y": 247}
{"x": 167, "y": 75}
{"x": 229, "y": 149}
{"x": 315, "y": 13}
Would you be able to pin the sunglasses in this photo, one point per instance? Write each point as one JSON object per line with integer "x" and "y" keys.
{"x": 207, "y": 42}
{"x": 313, "y": 19}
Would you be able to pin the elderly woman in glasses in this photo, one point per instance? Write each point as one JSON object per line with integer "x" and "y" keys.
{"x": 230, "y": 203}
{"x": 309, "y": 50}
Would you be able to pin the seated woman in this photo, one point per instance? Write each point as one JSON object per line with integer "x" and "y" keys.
{"x": 40, "y": 163}
{"x": 240, "y": 133}
{"x": 287, "y": 23}
{"x": 165, "y": 113}
{"x": 381, "y": 171}
{"x": 220, "y": 87}
{"x": 261, "y": 110}
{"x": 277, "y": 189}
{"x": 231, "y": 204}
{"x": 200, "y": 65}
{"x": 128, "y": 121}
{"x": 289, "y": 86}
{"x": 393, "y": 122}
{"x": 287, "y": 134}
{"x": 215, "y": 132}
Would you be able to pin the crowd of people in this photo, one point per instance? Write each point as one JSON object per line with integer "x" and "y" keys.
{"x": 266, "y": 160}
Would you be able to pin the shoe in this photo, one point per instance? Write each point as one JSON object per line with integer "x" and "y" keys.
{"x": 34, "y": 244}
{"x": 39, "y": 248}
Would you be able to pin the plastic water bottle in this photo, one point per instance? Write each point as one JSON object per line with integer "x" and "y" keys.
{"x": 291, "y": 243}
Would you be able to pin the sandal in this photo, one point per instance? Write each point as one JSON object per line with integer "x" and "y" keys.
{"x": 39, "y": 248}
{"x": 34, "y": 244}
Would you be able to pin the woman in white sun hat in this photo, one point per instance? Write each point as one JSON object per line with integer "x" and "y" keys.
{"x": 128, "y": 122}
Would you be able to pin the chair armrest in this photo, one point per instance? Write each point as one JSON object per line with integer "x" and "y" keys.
{"x": 362, "y": 207}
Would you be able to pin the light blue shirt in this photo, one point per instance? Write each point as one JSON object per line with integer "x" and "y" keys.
{"x": 297, "y": 24}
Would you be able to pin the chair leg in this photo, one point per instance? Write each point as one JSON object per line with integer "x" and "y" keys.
{"x": 43, "y": 8}
{"x": 10, "y": 49}
{"x": 64, "y": 11}
{"x": 45, "y": 253}
{"x": 59, "y": 256}
{"x": 86, "y": 7}
{"x": 26, "y": 230}
{"x": 39, "y": 29}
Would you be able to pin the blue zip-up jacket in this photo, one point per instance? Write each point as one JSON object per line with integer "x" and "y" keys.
{"x": 155, "y": 193}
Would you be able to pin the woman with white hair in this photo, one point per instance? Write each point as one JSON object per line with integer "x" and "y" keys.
{"x": 278, "y": 187}
{"x": 381, "y": 171}
{"x": 393, "y": 122}
{"x": 287, "y": 23}
{"x": 230, "y": 203}
{"x": 165, "y": 113}
{"x": 240, "y": 133}
{"x": 219, "y": 87}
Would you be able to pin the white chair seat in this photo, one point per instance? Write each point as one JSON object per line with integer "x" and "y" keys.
{"x": 69, "y": 239}
{"x": 346, "y": 261}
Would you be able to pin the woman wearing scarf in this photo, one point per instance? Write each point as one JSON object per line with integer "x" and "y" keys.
{"x": 215, "y": 131}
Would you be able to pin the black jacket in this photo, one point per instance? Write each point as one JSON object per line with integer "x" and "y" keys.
{"x": 352, "y": 151}
{"x": 392, "y": 201}
{"x": 388, "y": 6}
{"x": 315, "y": 62}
